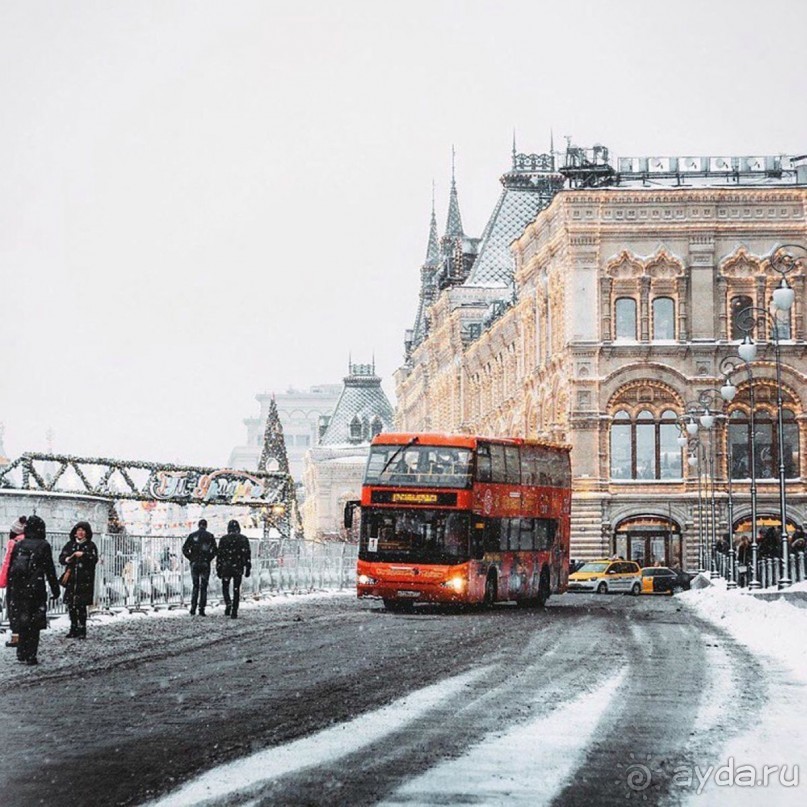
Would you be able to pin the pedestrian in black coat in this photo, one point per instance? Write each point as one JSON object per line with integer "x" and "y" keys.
{"x": 234, "y": 561}
{"x": 80, "y": 555}
{"x": 200, "y": 549}
{"x": 30, "y": 567}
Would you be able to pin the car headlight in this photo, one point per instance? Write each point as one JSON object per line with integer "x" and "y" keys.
{"x": 455, "y": 583}
{"x": 366, "y": 580}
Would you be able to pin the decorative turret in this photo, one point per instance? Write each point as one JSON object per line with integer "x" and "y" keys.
{"x": 362, "y": 411}
{"x": 454, "y": 219}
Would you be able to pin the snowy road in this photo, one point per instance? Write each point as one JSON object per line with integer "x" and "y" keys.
{"x": 331, "y": 701}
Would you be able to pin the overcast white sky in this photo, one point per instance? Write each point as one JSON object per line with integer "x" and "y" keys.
{"x": 200, "y": 201}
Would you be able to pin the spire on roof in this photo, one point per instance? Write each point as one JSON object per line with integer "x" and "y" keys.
{"x": 433, "y": 249}
{"x": 454, "y": 220}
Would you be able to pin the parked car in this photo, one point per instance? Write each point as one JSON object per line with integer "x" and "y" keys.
{"x": 662, "y": 580}
{"x": 574, "y": 565}
{"x": 607, "y": 577}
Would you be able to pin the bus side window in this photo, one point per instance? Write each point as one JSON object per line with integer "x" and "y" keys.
{"x": 497, "y": 463}
{"x": 529, "y": 471}
{"x": 493, "y": 535}
{"x": 483, "y": 472}
{"x": 527, "y": 539}
{"x": 514, "y": 533}
{"x": 545, "y": 533}
{"x": 513, "y": 465}
{"x": 504, "y": 533}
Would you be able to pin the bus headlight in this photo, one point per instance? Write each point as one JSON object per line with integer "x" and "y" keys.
{"x": 455, "y": 583}
{"x": 366, "y": 580}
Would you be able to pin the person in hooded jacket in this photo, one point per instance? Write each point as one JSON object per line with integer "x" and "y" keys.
{"x": 200, "y": 549}
{"x": 16, "y": 533}
{"x": 80, "y": 555}
{"x": 233, "y": 562}
{"x": 31, "y": 566}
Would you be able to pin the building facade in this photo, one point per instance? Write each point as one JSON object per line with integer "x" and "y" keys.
{"x": 613, "y": 309}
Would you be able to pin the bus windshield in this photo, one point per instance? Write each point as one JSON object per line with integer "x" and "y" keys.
{"x": 419, "y": 466}
{"x": 414, "y": 536}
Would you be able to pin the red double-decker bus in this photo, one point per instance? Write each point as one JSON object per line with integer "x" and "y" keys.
{"x": 459, "y": 519}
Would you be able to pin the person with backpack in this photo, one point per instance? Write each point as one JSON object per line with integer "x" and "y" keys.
{"x": 200, "y": 549}
{"x": 14, "y": 535}
{"x": 234, "y": 561}
{"x": 80, "y": 556}
{"x": 31, "y": 566}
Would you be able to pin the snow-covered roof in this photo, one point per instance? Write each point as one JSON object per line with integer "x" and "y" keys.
{"x": 524, "y": 194}
{"x": 362, "y": 402}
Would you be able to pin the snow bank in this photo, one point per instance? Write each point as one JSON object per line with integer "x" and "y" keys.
{"x": 771, "y": 628}
{"x": 774, "y": 741}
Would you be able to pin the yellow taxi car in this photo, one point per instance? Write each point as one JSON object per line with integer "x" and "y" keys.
{"x": 607, "y": 576}
{"x": 662, "y": 580}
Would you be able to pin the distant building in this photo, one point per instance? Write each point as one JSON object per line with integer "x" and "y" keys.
{"x": 301, "y": 413}
{"x": 335, "y": 467}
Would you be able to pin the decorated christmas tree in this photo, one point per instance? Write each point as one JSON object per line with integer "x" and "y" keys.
{"x": 283, "y": 514}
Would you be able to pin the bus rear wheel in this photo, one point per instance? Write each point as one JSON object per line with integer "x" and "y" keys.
{"x": 543, "y": 592}
{"x": 490, "y": 592}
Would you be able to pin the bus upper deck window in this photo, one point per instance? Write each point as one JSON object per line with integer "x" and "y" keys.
{"x": 483, "y": 472}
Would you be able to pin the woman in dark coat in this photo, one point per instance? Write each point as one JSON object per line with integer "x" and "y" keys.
{"x": 80, "y": 555}
{"x": 30, "y": 566}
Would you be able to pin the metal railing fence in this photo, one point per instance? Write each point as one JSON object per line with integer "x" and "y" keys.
{"x": 769, "y": 570}
{"x": 145, "y": 572}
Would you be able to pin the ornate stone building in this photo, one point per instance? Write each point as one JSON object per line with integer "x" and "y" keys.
{"x": 612, "y": 309}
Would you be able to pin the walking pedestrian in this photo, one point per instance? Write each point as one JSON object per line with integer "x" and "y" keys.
{"x": 234, "y": 561}
{"x": 31, "y": 566}
{"x": 80, "y": 556}
{"x": 15, "y": 534}
{"x": 200, "y": 549}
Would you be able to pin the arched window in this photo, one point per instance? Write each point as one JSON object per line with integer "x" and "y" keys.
{"x": 738, "y": 304}
{"x": 663, "y": 318}
{"x": 765, "y": 443}
{"x": 645, "y": 447}
{"x": 376, "y": 427}
{"x": 621, "y": 447}
{"x": 669, "y": 450}
{"x": 355, "y": 430}
{"x": 625, "y": 309}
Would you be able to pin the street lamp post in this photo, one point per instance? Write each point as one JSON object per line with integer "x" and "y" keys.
{"x": 688, "y": 439}
{"x": 751, "y": 318}
{"x": 700, "y": 458}
{"x": 728, "y": 391}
